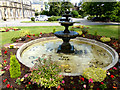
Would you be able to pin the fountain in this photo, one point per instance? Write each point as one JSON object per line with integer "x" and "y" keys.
{"x": 66, "y": 35}
{"x": 73, "y": 59}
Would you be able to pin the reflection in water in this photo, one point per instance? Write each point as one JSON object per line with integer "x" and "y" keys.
{"x": 85, "y": 55}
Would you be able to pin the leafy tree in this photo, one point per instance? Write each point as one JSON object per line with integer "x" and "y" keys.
{"x": 115, "y": 16}
{"x": 55, "y": 8}
{"x": 98, "y": 8}
{"x": 75, "y": 13}
{"x": 14, "y": 67}
{"x": 36, "y": 13}
{"x": 59, "y": 8}
{"x": 65, "y": 6}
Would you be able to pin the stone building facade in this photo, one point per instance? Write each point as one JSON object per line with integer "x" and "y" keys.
{"x": 15, "y": 9}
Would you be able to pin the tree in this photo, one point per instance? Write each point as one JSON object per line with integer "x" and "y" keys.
{"x": 98, "y": 8}
{"x": 55, "y": 8}
{"x": 115, "y": 16}
{"x": 65, "y": 6}
{"x": 59, "y": 8}
{"x": 75, "y": 13}
{"x": 36, "y": 13}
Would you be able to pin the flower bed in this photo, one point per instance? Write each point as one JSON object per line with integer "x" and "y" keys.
{"x": 9, "y": 29}
{"x": 27, "y": 80}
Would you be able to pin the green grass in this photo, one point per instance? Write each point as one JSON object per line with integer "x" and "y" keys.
{"x": 7, "y": 36}
{"x": 103, "y": 30}
{"x": 40, "y": 22}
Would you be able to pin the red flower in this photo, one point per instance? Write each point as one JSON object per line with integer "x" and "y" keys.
{"x": 8, "y": 86}
{"x": 33, "y": 34}
{"x": 11, "y": 86}
{"x": 29, "y": 82}
{"x": 72, "y": 27}
{"x": 114, "y": 68}
{"x": 28, "y": 36}
{"x": 82, "y": 79}
{"x": 25, "y": 86}
{"x": 5, "y": 80}
{"x": 112, "y": 76}
{"x": 5, "y": 52}
{"x": 58, "y": 87}
{"x": 98, "y": 89}
{"x": 102, "y": 83}
{"x": 5, "y": 61}
{"x": 115, "y": 87}
{"x": 41, "y": 33}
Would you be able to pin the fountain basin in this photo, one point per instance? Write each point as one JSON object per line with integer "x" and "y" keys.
{"x": 87, "y": 53}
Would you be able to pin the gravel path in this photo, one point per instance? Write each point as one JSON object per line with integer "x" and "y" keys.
{"x": 79, "y": 20}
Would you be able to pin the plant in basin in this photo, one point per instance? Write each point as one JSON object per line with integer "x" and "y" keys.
{"x": 46, "y": 73}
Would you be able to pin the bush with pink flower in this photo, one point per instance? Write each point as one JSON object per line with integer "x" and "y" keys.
{"x": 46, "y": 73}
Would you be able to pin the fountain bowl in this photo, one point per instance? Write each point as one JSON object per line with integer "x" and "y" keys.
{"x": 71, "y": 35}
{"x": 111, "y": 51}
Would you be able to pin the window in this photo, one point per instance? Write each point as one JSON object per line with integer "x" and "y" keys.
{"x": 5, "y": 13}
{"x": 16, "y": 13}
{"x": 11, "y": 12}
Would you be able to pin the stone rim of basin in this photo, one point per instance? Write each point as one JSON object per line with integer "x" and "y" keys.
{"x": 114, "y": 53}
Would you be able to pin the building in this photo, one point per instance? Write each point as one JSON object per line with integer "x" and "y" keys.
{"x": 38, "y": 5}
{"x": 15, "y": 9}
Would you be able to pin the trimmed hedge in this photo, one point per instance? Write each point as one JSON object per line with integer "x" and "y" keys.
{"x": 14, "y": 67}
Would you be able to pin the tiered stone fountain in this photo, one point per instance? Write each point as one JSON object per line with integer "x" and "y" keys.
{"x": 73, "y": 59}
{"x": 66, "y": 35}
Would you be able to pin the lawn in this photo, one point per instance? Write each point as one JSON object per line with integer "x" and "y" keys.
{"x": 103, "y": 30}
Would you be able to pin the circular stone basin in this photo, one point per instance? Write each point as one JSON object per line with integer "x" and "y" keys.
{"x": 87, "y": 53}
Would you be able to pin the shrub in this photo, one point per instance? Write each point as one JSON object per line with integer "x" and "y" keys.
{"x": 96, "y": 74}
{"x": 46, "y": 73}
{"x": 44, "y": 12}
{"x": 90, "y": 17}
{"x": 54, "y": 30}
{"x": 32, "y": 19}
{"x": 11, "y": 46}
{"x": 53, "y": 18}
{"x": 105, "y": 39}
{"x": 95, "y": 33}
{"x": 75, "y": 13}
{"x": 14, "y": 39}
{"x": 79, "y": 16}
{"x": 14, "y": 67}
{"x": 80, "y": 32}
{"x": 24, "y": 33}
